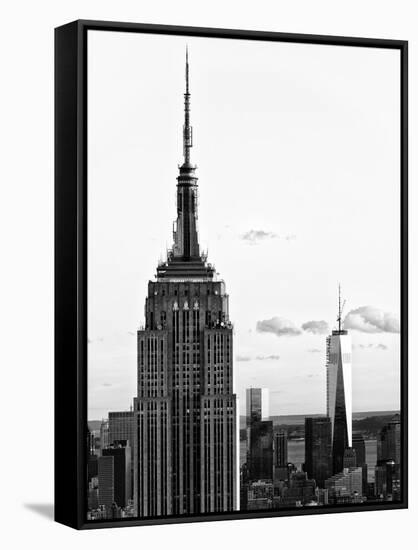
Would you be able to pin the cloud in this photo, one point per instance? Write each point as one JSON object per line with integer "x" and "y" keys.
{"x": 290, "y": 237}
{"x": 255, "y": 236}
{"x": 371, "y": 319}
{"x": 243, "y": 358}
{"x": 278, "y": 326}
{"x": 372, "y": 346}
{"x": 316, "y": 327}
{"x": 314, "y": 350}
{"x": 382, "y": 347}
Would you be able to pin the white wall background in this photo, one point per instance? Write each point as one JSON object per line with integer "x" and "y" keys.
{"x": 26, "y": 300}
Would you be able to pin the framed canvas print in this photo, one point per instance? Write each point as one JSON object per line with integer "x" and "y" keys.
{"x": 276, "y": 382}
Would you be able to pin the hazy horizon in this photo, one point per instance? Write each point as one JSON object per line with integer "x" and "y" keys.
{"x": 381, "y": 413}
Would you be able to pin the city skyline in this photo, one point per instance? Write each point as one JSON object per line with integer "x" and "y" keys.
{"x": 279, "y": 338}
{"x": 190, "y": 454}
{"x": 270, "y": 477}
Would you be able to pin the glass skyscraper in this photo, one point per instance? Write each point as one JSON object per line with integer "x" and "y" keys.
{"x": 339, "y": 392}
{"x": 259, "y": 435}
{"x": 257, "y": 404}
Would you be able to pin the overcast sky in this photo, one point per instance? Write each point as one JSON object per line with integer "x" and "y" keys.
{"x": 297, "y": 148}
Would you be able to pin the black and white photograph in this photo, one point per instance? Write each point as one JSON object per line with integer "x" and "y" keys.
{"x": 244, "y": 276}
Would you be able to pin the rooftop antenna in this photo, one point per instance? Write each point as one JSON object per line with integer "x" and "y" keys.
{"x": 340, "y": 308}
{"x": 187, "y": 69}
{"x": 187, "y": 129}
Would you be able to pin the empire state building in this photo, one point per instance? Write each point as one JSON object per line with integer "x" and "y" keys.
{"x": 185, "y": 453}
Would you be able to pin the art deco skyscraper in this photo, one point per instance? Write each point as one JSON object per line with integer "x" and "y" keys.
{"x": 186, "y": 458}
{"x": 339, "y": 392}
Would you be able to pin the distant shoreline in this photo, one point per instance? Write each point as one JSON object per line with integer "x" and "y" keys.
{"x": 297, "y": 419}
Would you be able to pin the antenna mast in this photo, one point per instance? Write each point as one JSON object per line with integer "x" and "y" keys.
{"x": 187, "y": 129}
{"x": 340, "y": 308}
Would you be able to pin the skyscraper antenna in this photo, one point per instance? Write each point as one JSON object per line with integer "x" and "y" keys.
{"x": 340, "y": 308}
{"x": 187, "y": 69}
{"x": 187, "y": 129}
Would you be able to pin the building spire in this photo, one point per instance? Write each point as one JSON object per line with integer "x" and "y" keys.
{"x": 187, "y": 69}
{"x": 186, "y": 242}
{"x": 185, "y": 260}
{"x": 340, "y": 309}
{"x": 187, "y": 129}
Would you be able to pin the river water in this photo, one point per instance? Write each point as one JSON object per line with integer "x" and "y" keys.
{"x": 296, "y": 454}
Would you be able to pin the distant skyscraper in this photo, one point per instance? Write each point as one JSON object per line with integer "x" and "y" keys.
{"x": 106, "y": 475}
{"x": 339, "y": 391}
{"x": 92, "y": 465}
{"x": 259, "y": 435}
{"x": 257, "y": 403}
{"x": 388, "y": 480}
{"x": 389, "y": 441}
{"x": 104, "y": 434}
{"x": 387, "y": 470}
{"x": 318, "y": 463}
{"x": 350, "y": 459}
{"x": 91, "y": 457}
{"x": 93, "y": 493}
{"x": 359, "y": 446}
{"x": 260, "y": 450}
{"x": 90, "y": 442}
{"x": 120, "y": 451}
{"x": 186, "y": 459}
{"x": 280, "y": 449}
{"x": 121, "y": 427}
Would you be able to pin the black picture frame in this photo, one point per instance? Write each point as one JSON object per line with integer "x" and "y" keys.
{"x": 71, "y": 265}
